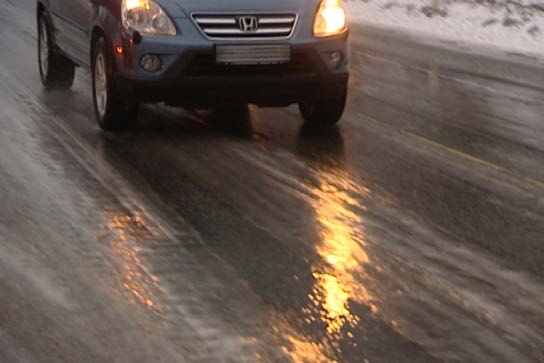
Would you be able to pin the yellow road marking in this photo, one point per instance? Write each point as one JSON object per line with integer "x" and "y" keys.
{"x": 461, "y": 154}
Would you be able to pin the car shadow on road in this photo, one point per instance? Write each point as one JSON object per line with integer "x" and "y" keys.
{"x": 324, "y": 147}
{"x": 177, "y": 122}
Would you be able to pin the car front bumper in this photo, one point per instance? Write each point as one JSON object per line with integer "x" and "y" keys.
{"x": 191, "y": 77}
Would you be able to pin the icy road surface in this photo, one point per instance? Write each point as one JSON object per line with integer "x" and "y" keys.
{"x": 412, "y": 233}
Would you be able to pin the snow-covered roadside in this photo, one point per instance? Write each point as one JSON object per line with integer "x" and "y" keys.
{"x": 515, "y": 26}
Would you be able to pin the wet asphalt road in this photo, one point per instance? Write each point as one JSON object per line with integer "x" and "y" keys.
{"x": 412, "y": 233}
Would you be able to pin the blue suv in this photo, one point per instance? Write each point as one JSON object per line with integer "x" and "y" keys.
{"x": 198, "y": 54}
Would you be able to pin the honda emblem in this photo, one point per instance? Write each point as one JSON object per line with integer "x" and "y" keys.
{"x": 248, "y": 23}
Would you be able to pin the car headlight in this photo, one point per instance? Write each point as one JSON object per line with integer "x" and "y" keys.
{"x": 146, "y": 17}
{"x": 330, "y": 19}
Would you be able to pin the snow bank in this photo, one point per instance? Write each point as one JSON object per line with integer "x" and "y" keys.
{"x": 515, "y": 26}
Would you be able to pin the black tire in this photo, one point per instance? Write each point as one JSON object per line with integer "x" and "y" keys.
{"x": 56, "y": 71}
{"x": 324, "y": 112}
{"x": 113, "y": 111}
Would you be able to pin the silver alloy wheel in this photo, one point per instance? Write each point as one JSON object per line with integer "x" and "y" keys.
{"x": 44, "y": 49}
{"x": 100, "y": 84}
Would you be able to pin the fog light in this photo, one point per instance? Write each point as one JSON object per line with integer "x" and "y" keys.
{"x": 335, "y": 59}
{"x": 151, "y": 63}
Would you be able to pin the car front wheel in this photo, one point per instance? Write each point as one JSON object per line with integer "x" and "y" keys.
{"x": 113, "y": 112}
{"x": 324, "y": 111}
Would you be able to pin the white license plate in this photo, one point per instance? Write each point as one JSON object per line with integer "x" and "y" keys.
{"x": 252, "y": 54}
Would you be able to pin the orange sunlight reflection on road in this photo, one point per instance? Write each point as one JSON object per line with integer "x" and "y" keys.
{"x": 339, "y": 279}
{"x": 342, "y": 248}
{"x": 126, "y": 231}
{"x": 343, "y": 245}
{"x": 305, "y": 351}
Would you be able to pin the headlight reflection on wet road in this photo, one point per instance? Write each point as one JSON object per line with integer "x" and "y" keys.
{"x": 127, "y": 229}
{"x": 342, "y": 249}
{"x": 339, "y": 275}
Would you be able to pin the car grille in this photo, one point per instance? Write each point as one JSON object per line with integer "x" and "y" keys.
{"x": 246, "y": 26}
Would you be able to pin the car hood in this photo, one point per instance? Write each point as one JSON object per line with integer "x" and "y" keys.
{"x": 189, "y": 6}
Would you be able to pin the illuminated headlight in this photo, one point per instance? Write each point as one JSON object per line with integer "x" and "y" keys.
{"x": 146, "y": 17}
{"x": 330, "y": 19}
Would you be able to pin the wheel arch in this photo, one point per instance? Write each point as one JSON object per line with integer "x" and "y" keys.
{"x": 97, "y": 32}
{"x": 105, "y": 26}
